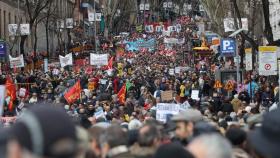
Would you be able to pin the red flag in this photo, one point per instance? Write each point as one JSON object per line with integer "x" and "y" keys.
{"x": 11, "y": 92}
{"x": 110, "y": 63}
{"x": 73, "y": 93}
{"x": 121, "y": 94}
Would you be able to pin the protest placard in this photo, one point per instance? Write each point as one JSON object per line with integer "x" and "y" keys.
{"x": 98, "y": 59}
{"x": 195, "y": 95}
{"x": 67, "y": 60}
{"x": 166, "y": 95}
{"x": 164, "y": 110}
{"x": 16, "y": 62}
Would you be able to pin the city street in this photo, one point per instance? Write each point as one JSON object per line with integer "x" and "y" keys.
{"x": 139, "y": 78}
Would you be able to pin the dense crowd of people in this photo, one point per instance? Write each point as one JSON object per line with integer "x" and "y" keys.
{"x": 243, "y": 123}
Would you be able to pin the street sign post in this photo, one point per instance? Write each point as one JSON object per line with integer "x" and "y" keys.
{"x": 228, "y": 47}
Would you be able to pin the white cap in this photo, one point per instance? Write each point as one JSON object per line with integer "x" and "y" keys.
{"x": 248, "y": 109}
{"x": 134, "y": 124}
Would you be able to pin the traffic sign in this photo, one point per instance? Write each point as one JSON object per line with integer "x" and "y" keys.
{"x": 3, "y": 48}
{"x": 228, "y": 47}
{"x": 267, "y": 60}
{"x": 218, "y": 84}
{"x": 229, "y": 86}
{"x": 267, "y": 66}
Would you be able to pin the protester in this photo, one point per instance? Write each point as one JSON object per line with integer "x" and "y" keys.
{"x": 149, "y": 138}
{"x": 265, "y": 139}
{"x": 32, "y": 136}
{"x": 185, "y": 122}
{"x": 212, "y": 145}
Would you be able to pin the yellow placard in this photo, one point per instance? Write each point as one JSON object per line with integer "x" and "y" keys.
{"x": 270, "y": 49}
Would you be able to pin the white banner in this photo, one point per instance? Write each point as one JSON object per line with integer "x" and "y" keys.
{"x": 174, "y": 40}
{"x": 267, "y": 60}
{"x": 98, "y": 59}
{"x": 16, "y": 62}
{"x": 94, "y": 17}
{"x": 12, "y": 28}
{"x": 149, "y": 28}
{"x": 91, "y": 16}
{"x": 98, "y": 16}
{"x": 171, "y": 28}
{"x": 159, "y": 28}
{"x": 248, "y": 59}
{"x": 67, "y": 60}
{"x": 2, "y": 99}
{"x": 230, "y": 27}
{"x": 166, "y": 109}
{"x": 24, "y": 29}
{"x": 147, "y": 6}
{"x": 229, "y": 24}
{"x": 69, "y": 23}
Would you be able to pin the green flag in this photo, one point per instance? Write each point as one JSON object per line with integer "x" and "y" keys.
{"x": 102, "y": 24}
{"x": 128, "y": 85}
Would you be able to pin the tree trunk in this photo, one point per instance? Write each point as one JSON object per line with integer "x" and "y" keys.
{"x": 35, "y": 40}
{"x": 68, "y": 40}
{"x": 267, "y": 27}
{"x": 22, "y": 42}
{"x": 47, "y": 37}
{"x": 242, "y": 52}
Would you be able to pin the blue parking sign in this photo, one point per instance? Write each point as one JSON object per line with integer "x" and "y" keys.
{"x": 2, "y": 48}
{"x": 228, "y": 47}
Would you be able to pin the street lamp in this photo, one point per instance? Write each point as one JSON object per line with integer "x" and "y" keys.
{"x": 143, "y": 7}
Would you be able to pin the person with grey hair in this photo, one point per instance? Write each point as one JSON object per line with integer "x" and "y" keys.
{"x": 210, "y": 146}
{"x": 148, "y": 142}
{"x": 114, "y": 143}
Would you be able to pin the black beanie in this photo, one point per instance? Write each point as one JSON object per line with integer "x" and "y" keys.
{"x": 172, "y": 150}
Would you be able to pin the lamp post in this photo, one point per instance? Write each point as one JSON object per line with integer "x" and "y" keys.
{"x": 18, "y": 28}
{"x": 95, "y": 38}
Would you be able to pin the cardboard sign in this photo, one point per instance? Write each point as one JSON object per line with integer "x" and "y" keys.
{"x": 166, "y": 95}
{"x": 91, "y": 86}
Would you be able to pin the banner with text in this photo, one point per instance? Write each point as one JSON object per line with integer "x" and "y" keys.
{"x": 98, "y": 59}
{"x": 16, "y": 62}
{"x": 165, "y": 110}
{"x": 67, "y": 60}
{"x": 141, "y": 44}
